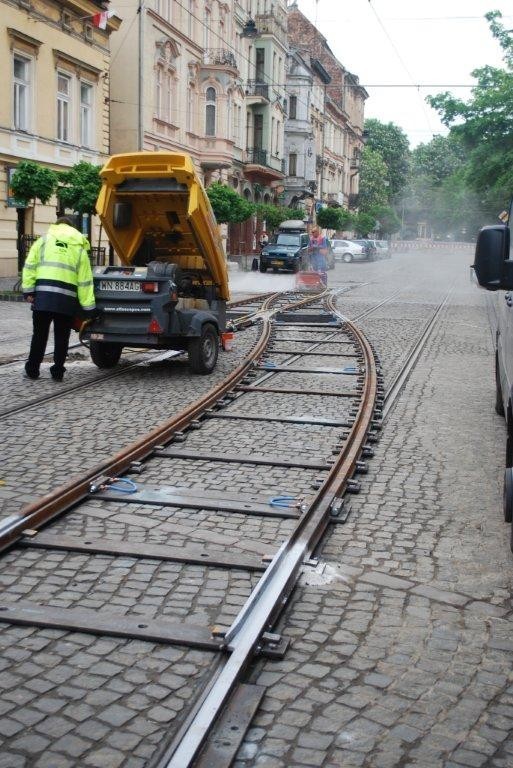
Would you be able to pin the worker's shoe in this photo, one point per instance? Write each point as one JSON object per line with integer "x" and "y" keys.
{"x": 57, "y": 374}
{"x": 29, "y": 373}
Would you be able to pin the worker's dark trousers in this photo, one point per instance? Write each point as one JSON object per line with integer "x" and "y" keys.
{"x": 61, "y": 331}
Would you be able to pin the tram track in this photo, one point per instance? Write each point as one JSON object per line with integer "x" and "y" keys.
{"x": 144, "y": 358}
{"x": 238, "y": 644}
{"x": 226, "y": 693}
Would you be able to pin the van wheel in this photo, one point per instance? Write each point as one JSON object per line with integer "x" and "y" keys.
{"x": 347, "y": 258}
{"x": 499, "y": 405}
{"x": 105, "y": 355}
{"x": 203, "y": 351}
{"x": 507, "y": 495}
{"x": 262, "y": 267}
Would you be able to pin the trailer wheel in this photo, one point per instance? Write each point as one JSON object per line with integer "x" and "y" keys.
{"x": 105, "y": 355}
{"x": 204, "y": 350}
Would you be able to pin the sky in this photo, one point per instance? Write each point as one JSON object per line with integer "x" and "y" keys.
{"x": 405, "y": 50}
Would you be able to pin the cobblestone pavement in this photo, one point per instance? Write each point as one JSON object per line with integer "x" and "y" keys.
{"x": 401, "y": 638}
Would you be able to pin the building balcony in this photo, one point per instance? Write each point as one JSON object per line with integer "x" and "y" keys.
{"x": 219, "y": 57}
{"x": 257, "y": 93}
{"x": 260, "y": 165}
{"x": 271, "y": 25}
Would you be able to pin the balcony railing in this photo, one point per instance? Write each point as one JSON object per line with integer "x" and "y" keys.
{"x": 256, "y": 156}
{"x": 255, "y": 88}
{"x": 219, "y": 57}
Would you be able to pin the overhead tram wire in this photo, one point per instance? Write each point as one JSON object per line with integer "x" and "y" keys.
{"x": 403, "y": 64}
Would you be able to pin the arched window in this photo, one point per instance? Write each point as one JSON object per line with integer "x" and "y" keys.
{"x": 210, "y": 112}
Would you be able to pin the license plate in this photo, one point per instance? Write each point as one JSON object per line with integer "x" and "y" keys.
{"x": 97, "y": 336}
{"x": 118, "y": 285}
{"x": 277, "y": 263}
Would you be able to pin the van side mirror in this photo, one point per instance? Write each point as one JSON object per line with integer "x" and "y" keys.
{"x": 122, "y": 215}
{"x": 491, "y": 264}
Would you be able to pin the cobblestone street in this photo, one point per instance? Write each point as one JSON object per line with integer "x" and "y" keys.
{"x": 401, "y": 637}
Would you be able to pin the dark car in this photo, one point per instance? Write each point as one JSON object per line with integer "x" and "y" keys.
{"x": 369, "y": 248}
{"x": 288, "y": 251}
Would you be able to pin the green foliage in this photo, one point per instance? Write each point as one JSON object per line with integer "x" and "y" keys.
{"x": 364, "y": 223}
{"x": 387, "y": 219}
{"x": 79, "y": 187}
{"x": 333, "y": 218}
{"x": 441, "y": 157}
{"x": 373, "y": 180}
{"x": 228, "y": 206}
{"x": 392, "y": 144}
{"x": 32, "y": 181}
{"x": 273, "y": 215}
{"x": 484, "y": 124}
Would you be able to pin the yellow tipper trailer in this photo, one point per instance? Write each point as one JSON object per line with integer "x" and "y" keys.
{"x": 171, "y": 287}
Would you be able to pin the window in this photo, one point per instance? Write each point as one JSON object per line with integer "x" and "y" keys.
{"x": 260, "y": 65}
{"x": 158, "y": 93}
{"x": 86, "y": 114}
{"x": 293, "y": 107}
{"x": 292, "y": 165}
{"x": 163, "y": 8}
{"x": 63, "y": 106}
{"x": 210, "y": 112}
{"x": 21, "y": 92}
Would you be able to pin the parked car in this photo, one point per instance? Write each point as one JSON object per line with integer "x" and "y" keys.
{"x": 288, "y": 249}
{"x": 383, "y": 248}
{"x": 345, "y": 250}
{"x": 371, "y": 252}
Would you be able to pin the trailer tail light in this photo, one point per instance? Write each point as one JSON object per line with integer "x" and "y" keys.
{"x": 155, "y": 327}
{"x": 150, "y": 287}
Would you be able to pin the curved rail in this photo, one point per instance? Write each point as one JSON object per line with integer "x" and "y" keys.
{"x": 271, "y": 594}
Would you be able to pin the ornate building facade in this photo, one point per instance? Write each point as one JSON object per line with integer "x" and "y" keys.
{"x": 54, "y": 102}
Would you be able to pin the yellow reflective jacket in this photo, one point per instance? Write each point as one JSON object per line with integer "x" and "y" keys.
{"x": 58, "y": 271}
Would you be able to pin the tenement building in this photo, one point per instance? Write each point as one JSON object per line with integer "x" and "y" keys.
{"x": 54, "y": 102}
{"x": 325, "y": 119}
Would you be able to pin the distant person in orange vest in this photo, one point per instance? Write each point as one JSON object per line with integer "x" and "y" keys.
{"x": 318, "y": 250}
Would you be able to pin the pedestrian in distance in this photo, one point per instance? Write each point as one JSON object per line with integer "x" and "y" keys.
{"x": 264, "y": 239}
{"x": 57, "y": 281}
{"x": 318, "y": 250}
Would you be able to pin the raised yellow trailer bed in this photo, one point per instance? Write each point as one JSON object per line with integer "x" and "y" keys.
{"x": 171, "y": 288}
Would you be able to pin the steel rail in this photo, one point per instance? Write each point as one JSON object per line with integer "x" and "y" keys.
{"x": 50, "y": 506}
{"x": 275, "y": 586}
{"x": 401, "y": 378}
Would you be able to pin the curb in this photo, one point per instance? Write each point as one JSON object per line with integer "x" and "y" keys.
{"x": 11, "y": 296}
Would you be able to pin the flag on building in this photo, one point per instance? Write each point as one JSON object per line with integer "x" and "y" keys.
{"x": 100, "y": 19}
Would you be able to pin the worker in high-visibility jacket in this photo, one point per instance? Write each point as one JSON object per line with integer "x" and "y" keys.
{"x": 57, "y": 280}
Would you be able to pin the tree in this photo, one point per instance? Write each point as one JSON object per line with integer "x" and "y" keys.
{"x": 79, "y": 187}
{"x": 32, "y": 181}
{"x": 392, "y": 144}
{"x": 484, "y": 124}
{"x": 334, "y": 218}
{"x": 273, "y": 215}
{"x": 373, "y": 180}
{"x": 386, "y": 219}
{"x": 228, "y": 206}
{"x": 439, "y": 158}
{"x": 364, "y": 223}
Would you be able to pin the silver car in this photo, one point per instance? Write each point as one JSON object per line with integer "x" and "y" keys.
{"x": 344, "y": 250}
